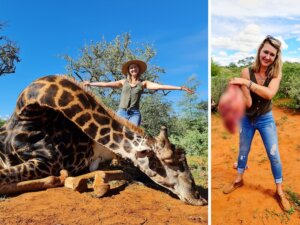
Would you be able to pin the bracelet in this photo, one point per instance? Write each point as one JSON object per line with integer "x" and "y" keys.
{"x": 250, "y": 84}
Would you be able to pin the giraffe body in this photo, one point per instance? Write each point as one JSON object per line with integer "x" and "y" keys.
{"x": 57, "y": 124}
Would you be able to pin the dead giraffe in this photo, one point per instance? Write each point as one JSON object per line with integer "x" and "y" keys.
{"x": 59, "y": 125}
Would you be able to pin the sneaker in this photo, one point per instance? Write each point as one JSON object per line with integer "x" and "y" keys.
{"x": 284, "y": 202}
{"x": 232, "y": 186}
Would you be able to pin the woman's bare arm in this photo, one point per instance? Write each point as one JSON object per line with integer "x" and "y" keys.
{"x": 112, "y": 84}
{"x": 155, "y": 86}
{"x": 265, "y": 92}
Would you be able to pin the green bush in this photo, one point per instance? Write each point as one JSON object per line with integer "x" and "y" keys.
{"x": 290, "y": 83}
{"x": 2, "y": 122}
{"x": 218, "y": 85}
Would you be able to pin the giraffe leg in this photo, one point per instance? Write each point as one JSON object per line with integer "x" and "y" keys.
{"x": 35, "y": 185}
{"x": 100, "y": 184}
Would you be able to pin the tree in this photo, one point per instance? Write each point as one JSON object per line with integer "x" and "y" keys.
{"x": 215, "y": 69}
{"x": 2, "y": 122}
{"x": 9, "y": 54}
{"x": 102, "y": 61}
{"x": 246, "y": 61}
{"x": 156, "y": 112}
{"x": 191, "y": 128}
{"x": 189, "y": 101}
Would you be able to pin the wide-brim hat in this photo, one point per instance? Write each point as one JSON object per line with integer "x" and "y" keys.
{"x": 142, "y": 65}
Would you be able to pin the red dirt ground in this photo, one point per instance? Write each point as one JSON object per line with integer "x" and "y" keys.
{"x": 136, "y": 204}
{"x": 254, "y": 203}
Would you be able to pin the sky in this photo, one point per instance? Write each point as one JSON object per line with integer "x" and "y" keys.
{"x": 46, "y": 30}
{"x": 239, "y": 26}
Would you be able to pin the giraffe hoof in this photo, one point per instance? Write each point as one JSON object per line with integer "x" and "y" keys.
{"x": 63, "y": 175}
{"x": 100, "y": 188}
{"x": 79, "y": 185}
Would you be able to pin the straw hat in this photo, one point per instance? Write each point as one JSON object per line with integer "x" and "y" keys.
{"x": 142, "y": 65}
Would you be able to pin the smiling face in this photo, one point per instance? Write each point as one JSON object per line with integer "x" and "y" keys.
{"x": 134, "y": 70}
{"x": 267, "y": 55}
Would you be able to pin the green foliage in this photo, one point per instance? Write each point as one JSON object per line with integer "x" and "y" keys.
{"x": 199, "y": 169}
{"x": 102, "y": 61}
{"x": 156, "y": 112}
{"x": 9, "y": 54}
{"x": 219, "y": 82}
{"x": 190, "y": 130}
{"x": 290, "y": 83}
{"x": 215, "y": 69}
{"x": 289, "y": 86}
{"x": 2, "y": 122}
{"x": 218, "y": 86}
{"x": 246, "y": 61}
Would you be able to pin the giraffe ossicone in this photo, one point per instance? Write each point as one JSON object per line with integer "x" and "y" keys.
{"x": 59, "y": 124}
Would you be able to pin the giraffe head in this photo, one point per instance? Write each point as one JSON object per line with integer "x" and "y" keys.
{"x": 167, "y": 166}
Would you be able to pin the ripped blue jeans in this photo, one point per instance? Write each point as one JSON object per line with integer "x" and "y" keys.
{"x": 266, "y": 126}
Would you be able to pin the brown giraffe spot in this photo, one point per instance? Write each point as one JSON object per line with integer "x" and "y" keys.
{"x": 117, "y": 137}
{"x": 92, "y": 130}
{"x": 135, "y": 143}
{"x": 104, "y": 140}
{"x": 34, "y": 90}
{"x": 101, "y": 110}
{"x": 69, "y": 85}
{"x": 102, "y": 120}
{"x": 117, "y": 126}
{"x": 114, "y": 146}
{"x": 20, "y": 102}
{"x": 48, "y": 98}
{"x": 84, "y": 100}
{"x": 129, "y": 134}
{"x": 104, "y": 131}
{"x": 72, "y": 111}
{"x": 91, "y": 101}
{"x": 65, "y": 99}
{"x": 127, "y": 146}
{"x": 49, "y": 78}
{"x": 81, "y": 120}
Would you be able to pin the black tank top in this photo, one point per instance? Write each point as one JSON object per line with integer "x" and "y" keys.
{"x": 259, "y": 105}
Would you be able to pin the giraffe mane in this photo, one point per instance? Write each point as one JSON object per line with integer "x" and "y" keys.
{"x": 111, "y": 113}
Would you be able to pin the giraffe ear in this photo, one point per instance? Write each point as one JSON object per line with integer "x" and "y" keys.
{"x": 162, "y": 138}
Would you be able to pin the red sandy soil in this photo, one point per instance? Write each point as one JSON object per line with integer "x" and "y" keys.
{"x": 136, "y": 204}
{"x": 254, "y": 203}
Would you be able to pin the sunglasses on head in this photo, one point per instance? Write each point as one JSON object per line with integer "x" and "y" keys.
{"x": 271, "y": 38}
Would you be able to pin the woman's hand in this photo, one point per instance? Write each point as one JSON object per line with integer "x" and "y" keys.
{"x": 188, "y": 90}
{"x": 86, "y": 83}
{"x": 239, "y": 81}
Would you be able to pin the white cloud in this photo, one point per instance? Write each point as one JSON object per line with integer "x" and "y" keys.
{"x": 291, "y": 59}
{"x": 240, "y": 37}
{"x": 233, "y": 58}
{"x": 255, "y": 8}
{"x": 222, "y": 53}
{"x": 245, "y": 40}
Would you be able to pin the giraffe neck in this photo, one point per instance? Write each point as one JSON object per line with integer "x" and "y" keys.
{"x": 101, "y": 124}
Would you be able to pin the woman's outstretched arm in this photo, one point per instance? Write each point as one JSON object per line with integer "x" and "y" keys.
{"x": 112, "y": 84}
{"x": 155, "y": 86}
